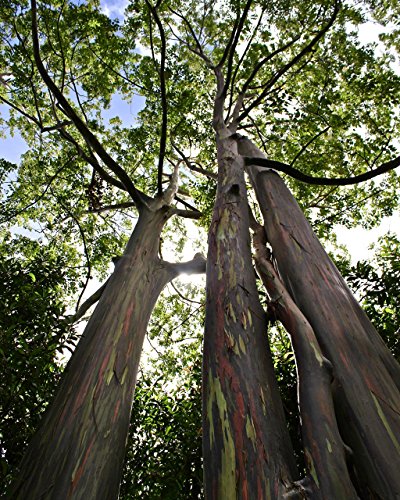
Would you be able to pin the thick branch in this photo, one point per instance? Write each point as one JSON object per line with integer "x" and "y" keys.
{"x": 195, "y": 266}
{"x": 117, "y": 206}
{"x": 188, "y": 214}
{"x": 136, "y": 195}
{"x": 322, "y": 181}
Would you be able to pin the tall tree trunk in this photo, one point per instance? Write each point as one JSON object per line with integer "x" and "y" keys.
{"x": 366, "y": 376}
{"x": 324, "y": 450}
{"x": 79, "y": 449}
{"x": 246, "y": 448}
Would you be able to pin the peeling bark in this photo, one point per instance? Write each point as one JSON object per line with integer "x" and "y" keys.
{"x": 246, "y": 448}
{"x": 79, "y": 449}
{"x": 324, "y": 450}
{"x": 367, "y": 398}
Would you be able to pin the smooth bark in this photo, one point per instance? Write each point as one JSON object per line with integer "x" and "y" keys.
{"x": 366, "y": 376}
{"x": 246, "y": 448}
{"x": 79, "y": 449}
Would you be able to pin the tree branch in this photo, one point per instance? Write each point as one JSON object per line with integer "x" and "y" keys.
{"x": 187, "y": 214}
{"x": 136, "y": 195}
{"x": 231, "y": 46}
{"x": 73, "y": 318}
{"x": 266, "y": 59}
{"x": 92, "y": 160}
{"x": 182, "y": 296}
{"x": 293, "y": 62}
{"x": 199, "y": 50}
{"x": 117, "y": 206}
{"x": 195, "y": 266}
{"x": 308, "y": 143}
{"x": 52, "y": 178}
{"x": 233, "y": 79}
{"x": 186, "y": 204}
{"x": 322, "y": 181}
{"x": 164, "y": 124}
{"x": 192, "y": 167}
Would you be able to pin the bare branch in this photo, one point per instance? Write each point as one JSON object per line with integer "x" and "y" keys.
{"x": 284, "y": 69}
{"x": 52, "y": 178}
{"x": 164, "y": 124}
{"x": 103, "y": 62}
{"x": 308, "y": 143}
{"x": 322, "y": 181}
{"x": 233, "y": 79}
{"x": 186, "y": 204}
{"x": 193, "y": 167}
{"x": 73, "y": 318}
{"x": 183, "y": 296}
{"x": 21, "y": 111}
{"x": 85, "y": 249}
{"x": 199, "y": 51}
{"x": 231, "y": 46}
{"x": 266, "y": 59}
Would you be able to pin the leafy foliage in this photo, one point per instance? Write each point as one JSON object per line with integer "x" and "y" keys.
{"x": 34, "y": 285}
{"x": 376, "y": 283}
{"x": 164, "y": 449}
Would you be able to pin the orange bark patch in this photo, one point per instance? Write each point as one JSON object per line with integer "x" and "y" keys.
{"x": 127, "y": 319}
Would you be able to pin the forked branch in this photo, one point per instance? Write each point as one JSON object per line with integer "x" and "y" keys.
{"x": 284, "y": 69}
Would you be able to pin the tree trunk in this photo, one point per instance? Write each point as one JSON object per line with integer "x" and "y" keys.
{"x": 246, "y": 448}
{"x": 324, "y": 450}
{"x": 79, "y": 449}
{"x": 366, "y": 376}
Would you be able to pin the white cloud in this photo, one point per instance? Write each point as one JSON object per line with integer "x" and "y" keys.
{"x": 114, "y": 8}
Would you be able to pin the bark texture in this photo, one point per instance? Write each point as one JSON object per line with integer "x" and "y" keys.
{"x": 366, "y": 376}
{"x": 79, "y": 449}
{"x": 324, "y": 450}
{"x": 246, "y": 448}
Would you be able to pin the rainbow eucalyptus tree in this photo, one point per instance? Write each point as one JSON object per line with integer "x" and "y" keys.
{"x": 316, "y": 104}
{"x": 79, "y": 447}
